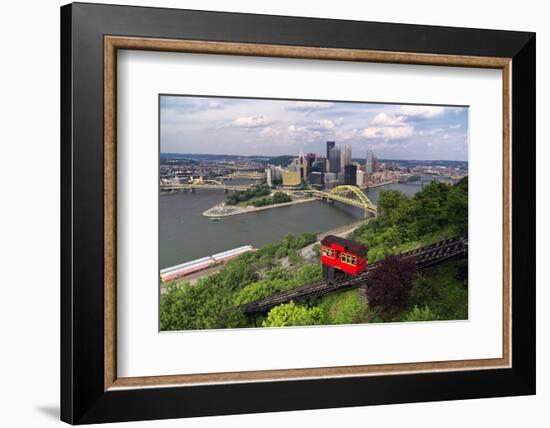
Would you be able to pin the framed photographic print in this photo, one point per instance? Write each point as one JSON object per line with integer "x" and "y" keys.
{"x": 265, "y": 213}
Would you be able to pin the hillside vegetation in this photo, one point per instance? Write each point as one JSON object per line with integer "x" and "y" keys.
{"x": 440, "y": 293}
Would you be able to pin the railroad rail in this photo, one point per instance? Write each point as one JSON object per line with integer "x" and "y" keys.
{"x": 425, "y": 257}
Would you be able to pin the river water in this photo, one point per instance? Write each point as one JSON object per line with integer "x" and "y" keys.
{"x": 185, "y": 234}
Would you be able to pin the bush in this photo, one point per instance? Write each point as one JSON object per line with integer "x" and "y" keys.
{"x": 388, "y": 286}
{"x": 420, "y": 314}
{"x": 342, "y": 308}
{"x": 277, "y": 280}
{"x": 245, "y": 195}
{"x": 277, "y": 198}
{"x": 444, "y": 289}
{"x": 290, "y": 314}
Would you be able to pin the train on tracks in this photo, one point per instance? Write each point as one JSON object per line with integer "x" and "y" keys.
{"x": 342, "y": 258}
{"x": 188, "y": 268}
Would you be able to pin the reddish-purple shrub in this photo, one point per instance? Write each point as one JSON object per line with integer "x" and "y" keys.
{"x": 389, "y": 285}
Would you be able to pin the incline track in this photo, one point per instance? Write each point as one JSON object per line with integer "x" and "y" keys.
{"x": 425, "y": 257}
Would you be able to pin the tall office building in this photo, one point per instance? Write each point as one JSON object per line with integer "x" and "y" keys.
{"x": 369, "y": 163}
{"x": 361, "y": 180}
{"x": 302, "y": 165}
{"x": 320, "y": 164}
{"x": 310, "y": 158}
{"x": 269, "y": 176}
{"x": 345, "y": 156}
{"x": 330, "y": 145}
{"x": 334, "y": 160}
{"x": 273, "y": 175}
{"x": 331, "y": 180}
{"x": 317, "y": 172}
{"x": 350, "y": 174}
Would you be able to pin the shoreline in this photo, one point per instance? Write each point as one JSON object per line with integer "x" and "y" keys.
{"x": 306, "y": 252}
{"x": 220, "y": 210}
{"x": 381, "y": 184}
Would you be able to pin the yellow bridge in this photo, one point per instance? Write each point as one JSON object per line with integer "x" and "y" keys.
{"x": 201, "y": 183}
{"x": 251, "y": 175}
{"x": 350, "y": 195}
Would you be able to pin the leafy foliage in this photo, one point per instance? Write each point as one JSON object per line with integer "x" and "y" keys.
{"x": 291, "y": 314}
{"x": 423, "y": 313}
{"x": 245, "y": 195}
{"x": 389, "y": 284}
{"x": 438, "y": 211}
{"x": 266, "y": 287}
{"x": 277, "y": 198}
{"x": 444, "y": 288}
{"x": 204, "y": 305}
{"x": 342, "y": 308}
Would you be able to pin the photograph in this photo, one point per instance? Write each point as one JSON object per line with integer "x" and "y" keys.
{"x": 281, "y": 213}
{"x": 269, "y": 210}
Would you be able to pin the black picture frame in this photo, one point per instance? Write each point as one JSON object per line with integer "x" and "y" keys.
{"x": 83, "y": 398}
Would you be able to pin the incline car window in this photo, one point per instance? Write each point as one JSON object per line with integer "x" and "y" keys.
{"x": 346, "y": 258}
{"x": 329, "y": 252}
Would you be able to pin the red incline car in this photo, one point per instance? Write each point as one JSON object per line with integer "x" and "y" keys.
{"x": 341, "y": 257}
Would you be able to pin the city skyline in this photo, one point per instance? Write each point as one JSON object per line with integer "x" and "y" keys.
{"x": 268, "y": 127}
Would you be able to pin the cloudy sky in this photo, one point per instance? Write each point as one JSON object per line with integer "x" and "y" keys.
{"x": 275, "y": 127}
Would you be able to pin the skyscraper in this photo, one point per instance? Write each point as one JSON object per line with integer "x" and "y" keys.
{"x": 369, "y": 163}
{"x": 273, "y": 175}
{"x": 310, "y": 158}
{"x": 317, "y": 174}
{"x": 350, "y": 174}
{"x": 302, "y": 165}
{"x": 334, "y": 159}
{"x": 345, "y": 156}
{"x": 361, "y": 178}
{"x": 330, "y": 145}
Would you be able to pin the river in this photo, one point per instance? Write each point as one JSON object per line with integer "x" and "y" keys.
{"x": 185, "y": 234}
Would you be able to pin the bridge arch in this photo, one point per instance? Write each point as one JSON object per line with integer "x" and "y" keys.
{"x": 350, "y": 195}
{"x": 202, "y": 181}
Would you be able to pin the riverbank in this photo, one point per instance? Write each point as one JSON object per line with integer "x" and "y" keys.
{"x": 307, "y": 252}
{"x": 224, "y": 210}
{"x": 385, "y": 183}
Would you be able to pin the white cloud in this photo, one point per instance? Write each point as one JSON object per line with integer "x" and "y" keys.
{"x": 270, "y": 131}
{"x": 424, "y": 112}
{"x": 387, "y": 132}
{"x": 434, "y": 131}
{"x": 457, "y": 126}
{"x": 215, "y": 105}
{"x": 316, "y": 125}
{"x": 309, "y": 106}
{"x": 324, "y": 124}
{"x": 252, "y": 121}
{"x": 383, "y": 119}
{"x": 386, "y": 127}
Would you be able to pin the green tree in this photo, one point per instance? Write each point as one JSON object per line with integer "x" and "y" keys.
{"x": 388, "y": 286}
{"x": 423, "y": 313}
{"x": 342, "y": 308}
{"x": 290, "y": 314}
{"x": 295, "y": 257}
{"x": 456, "y": 209}
{"x": 259, "y": 290}
{"x": 281, "y": 197}
{"x": 245, "y": 195}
